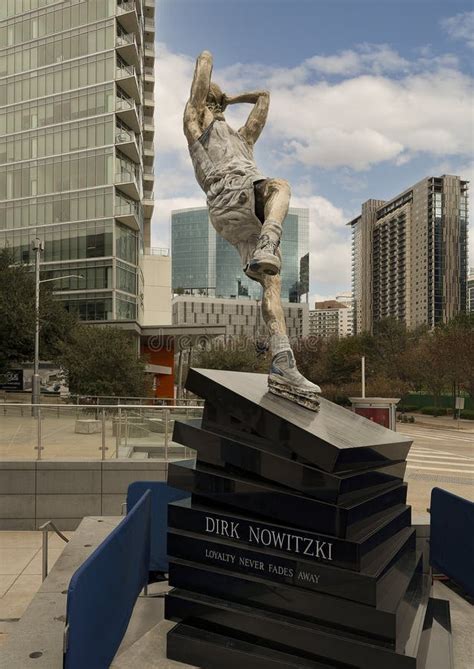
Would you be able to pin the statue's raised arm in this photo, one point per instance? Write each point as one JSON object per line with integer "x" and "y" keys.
{"x": 257, "y": 118}
{"x": 196, "y": 114}
{"x": 246, "y": 208}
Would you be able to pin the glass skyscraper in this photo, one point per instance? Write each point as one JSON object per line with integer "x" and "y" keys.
{"x": 204, "y": 263}
{"x": 76, "y": 145}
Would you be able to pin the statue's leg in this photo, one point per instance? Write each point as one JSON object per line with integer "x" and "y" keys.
{"x": 273, "y": 197}
{"x": 284, "y": 379}
{"x": 272, "y": 310}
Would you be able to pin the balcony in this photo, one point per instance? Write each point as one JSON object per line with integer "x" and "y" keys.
{"x": 148, "y": 127}
{"x": 148, "y": 153}
{"x": 148, "y": 203}
{"x": 149, "y": 7}
{"x": 148, "y": 176}
{"x": 148, "y": 78}
{"x": 127, "y": 111}
{"x": 127, "y": 143}
{"x": 127, "y": 17}
{"x": 126, "y": 46}
{"x": 126, "y": 182}
{"x": 129, "y": 214}
{"x": 149, "y": 53}
{"x": 127, "y": 79}
{"x": 149, "y": 25}
{"x": 148, "y": 100}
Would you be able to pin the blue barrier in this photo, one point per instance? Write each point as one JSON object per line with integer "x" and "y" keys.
{"x": 103, "y": 591}
{"x": 452, "y": 537}
{"x": 161, "y": 495}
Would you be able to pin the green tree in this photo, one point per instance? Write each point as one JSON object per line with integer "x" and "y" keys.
{"x": 238, "y": 355}
{"x": 18, "y": 315}
{"x": 103, "y": 361}
{"x": 457, "y": 347}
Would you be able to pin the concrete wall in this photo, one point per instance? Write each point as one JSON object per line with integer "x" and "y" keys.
{"x": 157, "y": 290}
{"x": 32, "y": 492}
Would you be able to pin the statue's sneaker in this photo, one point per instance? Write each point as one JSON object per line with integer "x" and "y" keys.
{"x": 265, "y": 259}
{"x": 286, "y": 381}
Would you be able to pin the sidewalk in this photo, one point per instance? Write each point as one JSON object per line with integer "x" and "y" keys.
{"x": 20, "y": 572}
{"x": 442, "y": 422}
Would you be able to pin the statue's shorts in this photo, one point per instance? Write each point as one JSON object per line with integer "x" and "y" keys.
{"x": 231, "y": 203}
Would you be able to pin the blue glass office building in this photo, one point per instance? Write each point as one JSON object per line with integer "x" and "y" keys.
{"x": 204, "y": 263}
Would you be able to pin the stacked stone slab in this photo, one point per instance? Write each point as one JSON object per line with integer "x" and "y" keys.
{"x": 296, "y": 547}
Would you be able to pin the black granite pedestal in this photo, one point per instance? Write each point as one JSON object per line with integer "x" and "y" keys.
{"x": 296, "y": 547}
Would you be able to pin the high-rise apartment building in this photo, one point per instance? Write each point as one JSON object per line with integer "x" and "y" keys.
{"x": 330, "y": 318}
{"x": 76, "y": 145}
{"x": 409, "y": 255}
{"x": 205, "y": 263}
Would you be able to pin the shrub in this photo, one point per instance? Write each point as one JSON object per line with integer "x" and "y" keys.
{"x": 468, "y": 414}
{"x": 408, "y": 408}
{"x": 434, "y": 411}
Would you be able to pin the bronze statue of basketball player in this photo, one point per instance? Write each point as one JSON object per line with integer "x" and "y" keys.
{"x": 246, "y": 208}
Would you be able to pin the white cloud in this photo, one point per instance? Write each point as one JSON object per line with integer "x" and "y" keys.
{"x": 362, "y": 121}
{"x": 333, "y": 147}
{"x": 460, "y": 27}
{"x": 379, "y": 108}
{"x": 173, "y": 80}
{"x": 365, "y": 118}
{"x": 374, "y": 58}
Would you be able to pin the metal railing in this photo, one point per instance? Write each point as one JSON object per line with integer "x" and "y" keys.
{"x": 149, "y": 71}
{"x": 148, "y": 146}
{"x": 160, "y": 251}
{"x": 127, "y": 210}
{"x": 45, "y": 528}
{"x": 93, "y": 431}
{"x": 124, "y": 136}
{"x": 125, "y": 178}
{"x": 148, "y": 195}
{"x": 124, "y": 104}
{"x": 125, "y": 39}
{"x": 125, "y": 7}
{"x": 88, "y": 400}
{"x": 125, "y": 71}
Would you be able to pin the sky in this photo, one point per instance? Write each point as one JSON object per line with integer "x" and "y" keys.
{"x": 367, "y": 98}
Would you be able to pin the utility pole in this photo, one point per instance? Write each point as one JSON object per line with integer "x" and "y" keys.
{"x": 38, "y": 246}
{"x": 363, "y": 376}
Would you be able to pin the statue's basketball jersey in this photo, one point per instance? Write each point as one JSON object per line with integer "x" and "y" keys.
{"x": 226, "y": 171}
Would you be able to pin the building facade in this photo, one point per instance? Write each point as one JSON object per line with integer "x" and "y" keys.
{"x": 76, "y": 146}
{"x": 330, "y": 318}
{"x": 203, "y": 263}
{"x": 409, "y": 255}
{"x": 241, "y": 317}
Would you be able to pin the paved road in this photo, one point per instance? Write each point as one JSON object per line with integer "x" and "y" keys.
{"x": 440, "y": 456}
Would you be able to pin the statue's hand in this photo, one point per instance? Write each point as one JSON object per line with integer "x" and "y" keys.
{"x": 225, "y": 101}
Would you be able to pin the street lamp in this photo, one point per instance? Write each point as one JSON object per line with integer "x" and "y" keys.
{"x": 38, "y": 246}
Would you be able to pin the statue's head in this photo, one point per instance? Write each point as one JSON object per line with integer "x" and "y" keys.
{"x": 215, "y": 100}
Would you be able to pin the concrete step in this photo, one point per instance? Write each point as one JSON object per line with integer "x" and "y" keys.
{"x": 139, "y": 455}
{"x": 149, "y": 652}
